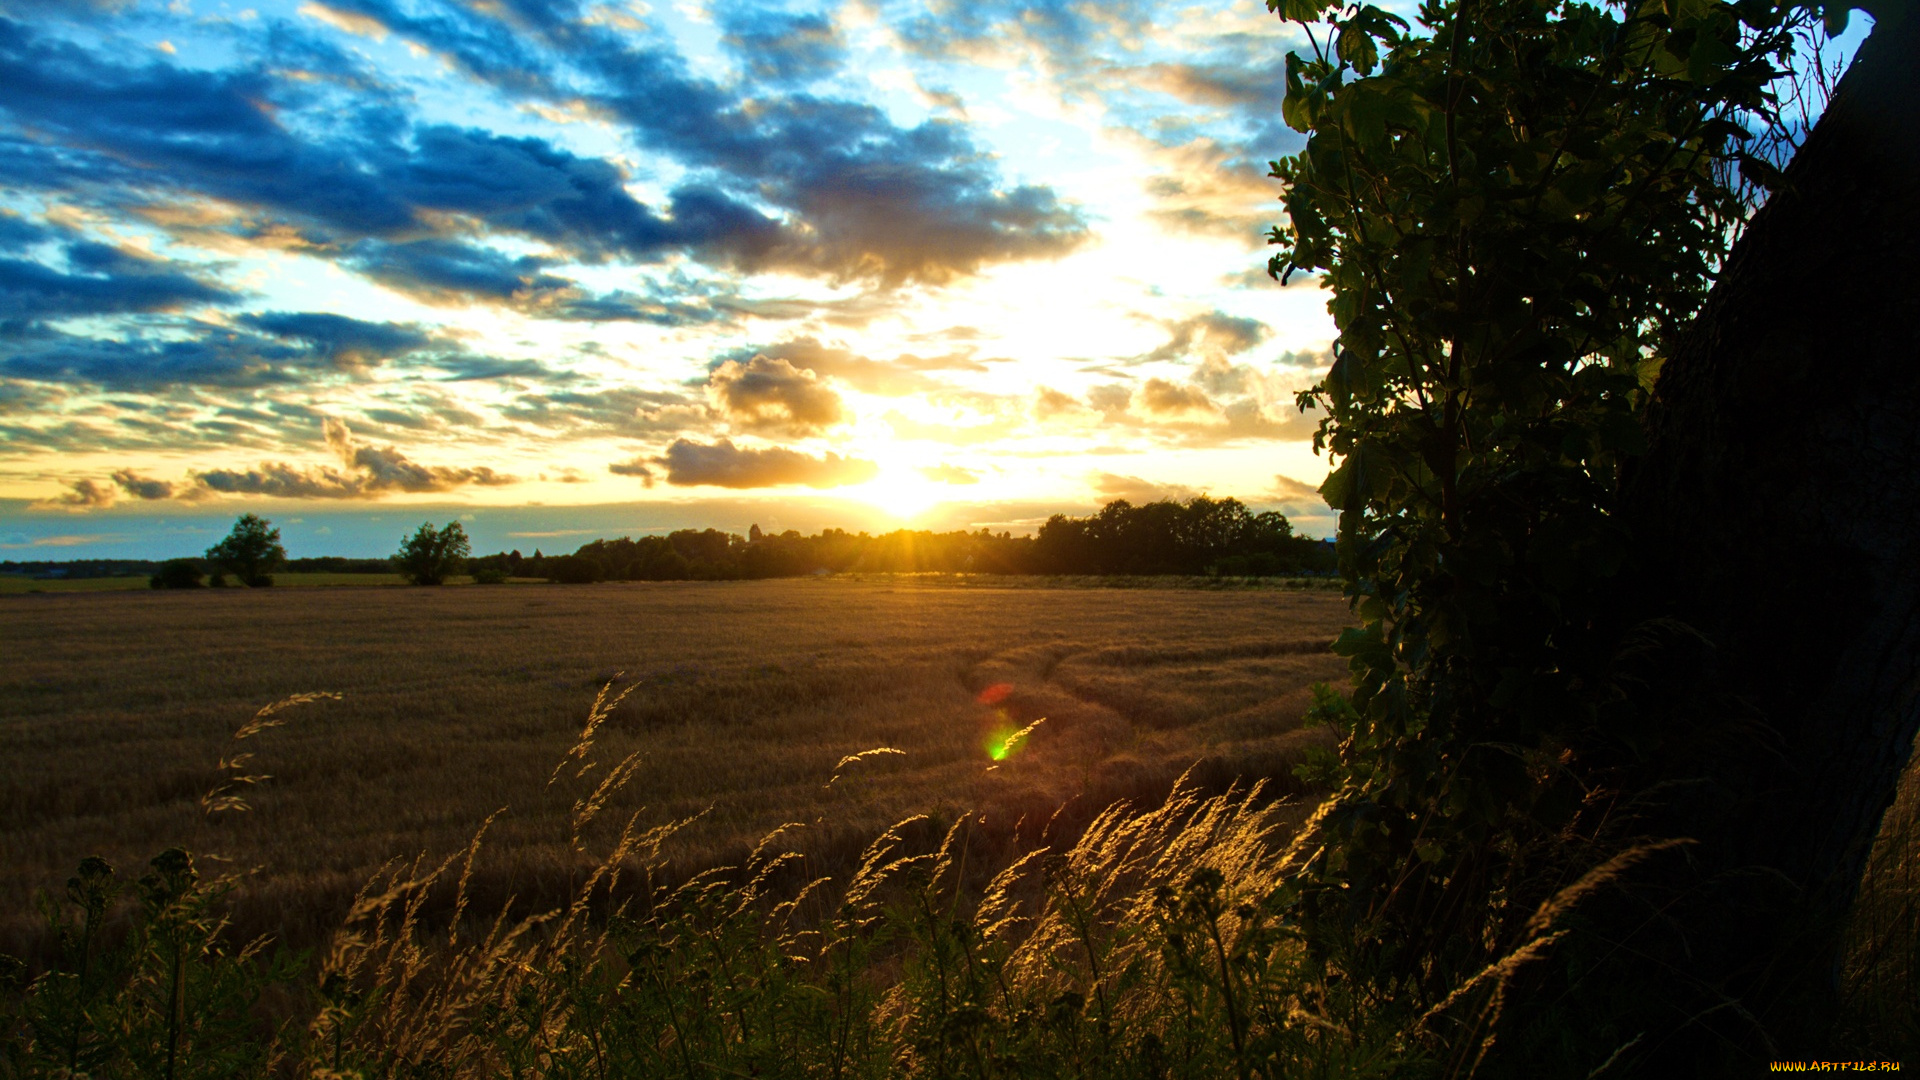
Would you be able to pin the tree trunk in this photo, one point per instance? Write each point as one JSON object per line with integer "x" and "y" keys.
{"x": 1779, "y": 514}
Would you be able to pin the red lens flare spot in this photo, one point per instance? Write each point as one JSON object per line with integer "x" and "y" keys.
{"x": 995, "y": 694}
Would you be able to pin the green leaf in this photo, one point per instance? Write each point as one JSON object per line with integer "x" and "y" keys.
{"x": 1355, "y": 46}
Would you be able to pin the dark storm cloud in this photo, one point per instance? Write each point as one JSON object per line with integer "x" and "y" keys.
{"x": 691, "y": 464}
{"x": 780, "y": 47}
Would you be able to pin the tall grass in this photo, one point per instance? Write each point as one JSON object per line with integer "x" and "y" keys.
{"x": 1156, "y": 942}
{"x": 1149, "y": 946}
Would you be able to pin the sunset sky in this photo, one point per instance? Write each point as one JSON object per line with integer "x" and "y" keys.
{"x": 575, "y": 270}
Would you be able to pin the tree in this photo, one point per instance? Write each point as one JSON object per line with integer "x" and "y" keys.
{"x": 430, "y": 556}
{"x": 251, "y": 552}
{"x": 1796, "y": 389}
{"x": 1570, "y": 584}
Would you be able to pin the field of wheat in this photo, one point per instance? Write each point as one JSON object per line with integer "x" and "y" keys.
{"x": 741, "y": 702}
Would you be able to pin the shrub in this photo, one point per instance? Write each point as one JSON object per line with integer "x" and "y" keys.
{"x": 178, "y": 574}
{"x": 489, "y": 575}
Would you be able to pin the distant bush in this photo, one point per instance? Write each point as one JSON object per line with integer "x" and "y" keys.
{"x": 179, "y": 574}
{"x": 488, "y": 575}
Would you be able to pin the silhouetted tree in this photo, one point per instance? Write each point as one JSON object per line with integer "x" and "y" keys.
{"x": 430, "y": 556}
{"x": 251, "y": 552}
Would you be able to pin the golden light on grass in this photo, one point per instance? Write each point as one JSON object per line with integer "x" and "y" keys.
{"x": 459, "y": 701}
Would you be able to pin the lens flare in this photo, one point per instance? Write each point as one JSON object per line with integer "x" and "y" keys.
{"x": 1005, "y": 741}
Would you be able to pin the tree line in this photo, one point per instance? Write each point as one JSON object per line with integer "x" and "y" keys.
{"x": 1199, "y": 537}
{"x": 1202, "y": 536}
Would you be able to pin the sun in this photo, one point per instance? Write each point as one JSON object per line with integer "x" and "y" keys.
{"x": 899, "y": 492}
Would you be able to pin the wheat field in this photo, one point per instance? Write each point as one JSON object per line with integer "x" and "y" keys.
{"x": 742, "y": 700}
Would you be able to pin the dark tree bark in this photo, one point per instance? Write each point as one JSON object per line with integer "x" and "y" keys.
{"x": 1779, "y": 515}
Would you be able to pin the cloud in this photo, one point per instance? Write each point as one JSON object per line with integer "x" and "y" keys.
{"x": 283, "y": 481}
{"x": 450, "y": 272}
{"x": 1065, "y": 30}
{"x": 779, "y": 47}
{"x": 217, "y": 358}
{"x": 100, "y": 280}
{"x": 341, "y": 341}
{"x": 772, "y": 395}
{"x": 1287, "y": 489}
{"x": 856, "y": 196}
{"x": 902, "y": 375}
{"x": 636, "y": 467}
{"x": 1111, "y": 399}
{"x": 66, "y": 541}
{"x": 1213, "y": 335}
{"x": 288, "y": 349}
{"x": 1110, "y": 486}
{"x": 725, "y": 465}
{"x": 355, "y": 175}
{"x": 950, "y": 474}
{"x": 1163, "y": 398}
{"x": 80, "y": 496}
{"x": 1049, "y": 403}
{"x": 609, "y": 410}
{"x": 367, "y": 472}
{"x": 141, "y": 487}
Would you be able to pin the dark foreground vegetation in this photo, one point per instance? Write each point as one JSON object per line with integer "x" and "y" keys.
{"x": 1628, "y": 517}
